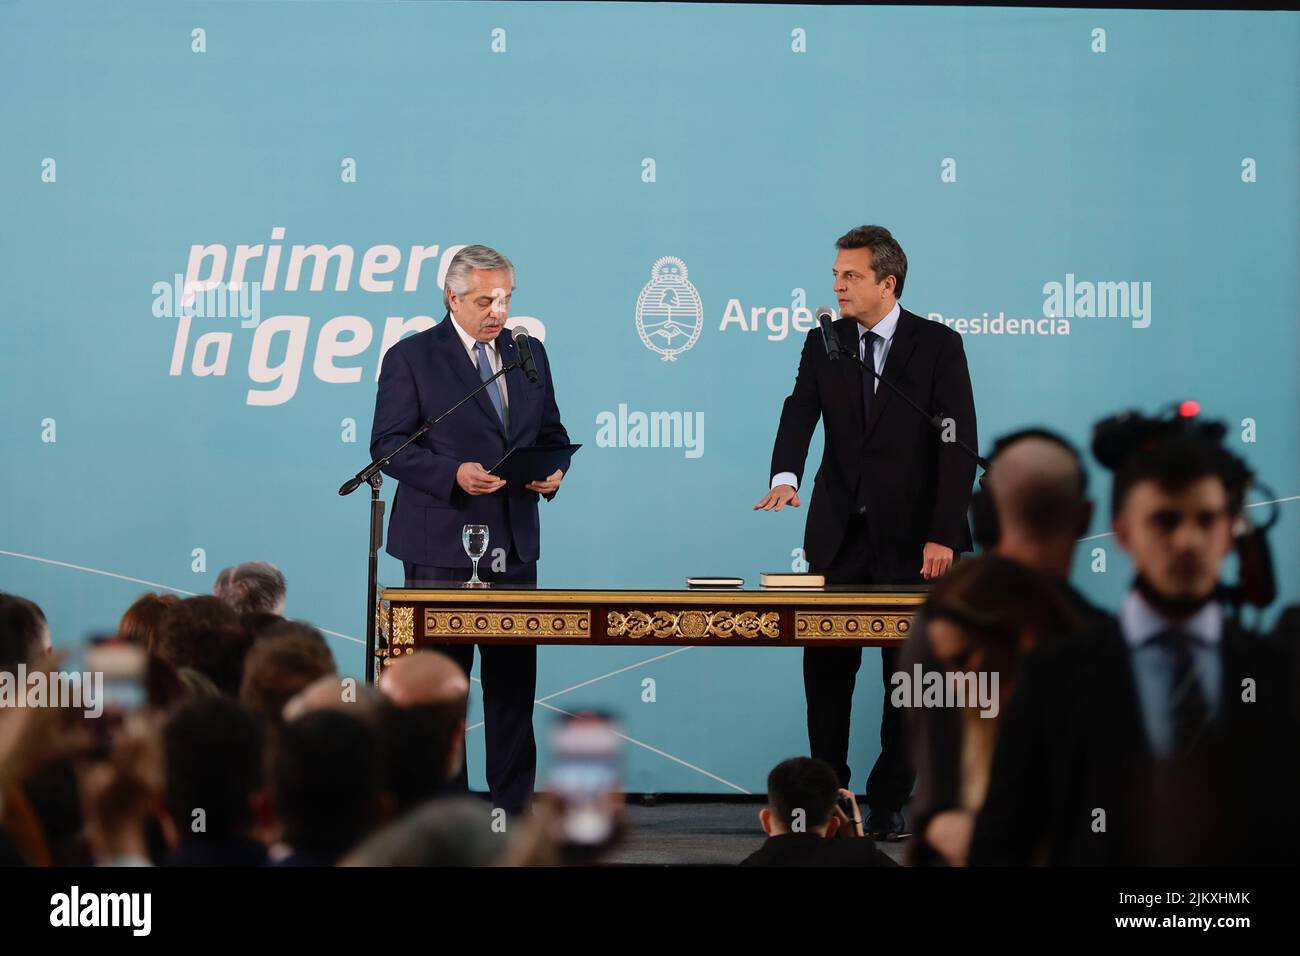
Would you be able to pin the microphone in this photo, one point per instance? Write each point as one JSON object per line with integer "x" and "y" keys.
{"x": 824, "y": 317}
{"x": 523, "y": 342}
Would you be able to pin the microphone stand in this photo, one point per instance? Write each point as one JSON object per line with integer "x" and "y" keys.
{"x": 371, "y": 474}
{"x": 935, "y": 421}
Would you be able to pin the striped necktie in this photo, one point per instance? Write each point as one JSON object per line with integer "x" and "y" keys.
{"x": 1188, "y": 705}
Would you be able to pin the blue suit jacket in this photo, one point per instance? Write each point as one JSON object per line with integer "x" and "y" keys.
{"x": 421, "y": 377}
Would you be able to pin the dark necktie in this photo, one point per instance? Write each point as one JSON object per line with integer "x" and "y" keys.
{"x": 1187, "y": 701}
{"x": 868, "y": 340}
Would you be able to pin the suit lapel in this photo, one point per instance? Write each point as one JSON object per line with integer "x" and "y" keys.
{"x": 900, "y": 352}
{"x": 1130, "y": 741}
{"x": 463, "y": 368}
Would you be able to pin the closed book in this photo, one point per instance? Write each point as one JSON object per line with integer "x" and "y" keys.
{"x": 714, "y": 581}
{"x": 788, "y": 579}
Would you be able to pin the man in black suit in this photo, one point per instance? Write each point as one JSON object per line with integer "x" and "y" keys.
{"x": 804, "y": 824}
{"x": 1164, "y": 736}
{"x": 444, "y": 484}
{"x": 890, "y": 497}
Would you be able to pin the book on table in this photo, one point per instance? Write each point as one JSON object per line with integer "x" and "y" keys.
{"x": 791, "y": 579}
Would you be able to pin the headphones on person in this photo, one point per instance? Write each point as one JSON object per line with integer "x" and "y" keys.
{"x": 983, "y": 511}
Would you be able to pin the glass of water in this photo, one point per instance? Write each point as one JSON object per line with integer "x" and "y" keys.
{"x": 475, "y": 539}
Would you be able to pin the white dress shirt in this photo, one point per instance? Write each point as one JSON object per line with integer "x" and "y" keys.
{"x": 884, "y": 330}
{"x": 494, "y": 358}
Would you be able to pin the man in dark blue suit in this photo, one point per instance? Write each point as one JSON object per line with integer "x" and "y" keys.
{"x": 444, "y": 484}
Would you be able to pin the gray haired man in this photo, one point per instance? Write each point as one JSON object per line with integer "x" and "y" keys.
{"x": 443, "y": 483}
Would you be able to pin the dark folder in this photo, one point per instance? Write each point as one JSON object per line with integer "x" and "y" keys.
{"x": 533, "y": 463}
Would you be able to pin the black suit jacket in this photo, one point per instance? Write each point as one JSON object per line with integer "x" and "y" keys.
{"x": 915, "y": 488}
{"x": 809, "y": 849}
{"x": 1072, "y": 740}
{"x": 421, "y": 377}
{"x": 934, "y": 733}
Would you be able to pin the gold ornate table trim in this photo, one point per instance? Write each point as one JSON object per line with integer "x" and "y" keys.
{"x": 534, "y": 624}
{"x": 410, "y": 618}
{"x": 823, "y": 626}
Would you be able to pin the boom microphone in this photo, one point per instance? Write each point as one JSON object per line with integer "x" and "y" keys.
{"x": 824, "y": 317}
{"x": 523, "y": 342}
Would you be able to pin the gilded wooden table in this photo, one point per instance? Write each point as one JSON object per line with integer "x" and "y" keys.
{"x": 411, "y": 618}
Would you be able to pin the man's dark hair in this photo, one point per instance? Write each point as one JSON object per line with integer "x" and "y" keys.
{"x": 327, "y": 777}
{"x": 417, "y": 743}
{"x": 204, "y": 634}
{"x": 252, "y": 586}
{"x": 1176, "y": 463}
{"x": 286, "y": 659}
{"x": 21, "y": 625}
{"x": 258, "y": 624}
{"x": 887, "y": 256}
{"x": 213, "y": 753}
{"x": 802, "y": 783}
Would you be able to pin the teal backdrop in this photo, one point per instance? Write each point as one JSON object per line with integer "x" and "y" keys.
{"x": 1103, "y": 202}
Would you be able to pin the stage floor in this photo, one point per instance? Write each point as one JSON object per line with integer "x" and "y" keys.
{"x": 720, "y": 833}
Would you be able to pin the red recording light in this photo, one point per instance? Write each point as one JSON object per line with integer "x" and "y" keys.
{"x": 1189, "y": 409}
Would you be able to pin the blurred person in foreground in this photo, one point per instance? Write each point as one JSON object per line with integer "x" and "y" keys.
{"x": 283, "y": 661}
{"x": 213, "y": 795}
{"x": 327, "y": 786}
{"x": 141, "y": 621}
{"x": 426, "y": 697}
{"x": 980, "y": 620}
{"x": 203, "y": 634}
{"x": 1165, "y": 735}
{"x": 39, "y": 804}
{"x": 1032, "y": 508}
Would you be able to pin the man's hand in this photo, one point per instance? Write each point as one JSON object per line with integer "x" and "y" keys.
{"x": 849, "y": 828}
{"x": 935, "y": 560}
{"x": 778, "y": 498}
{"x": 476, "y": 481}
{"x": 950, "y": 834}
{"x": 548, "y": 485}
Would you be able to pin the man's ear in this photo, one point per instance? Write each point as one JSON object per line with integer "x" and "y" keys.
{"x": 765, "y": 818}
{"x": 1120, "y": 527}
{"x": 833, "y": 825}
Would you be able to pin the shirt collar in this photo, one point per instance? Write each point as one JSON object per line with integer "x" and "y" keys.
{"x": 1140, "y": 622}
{"x": 466, "y": 339}
{"x": 885, "y": 327}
